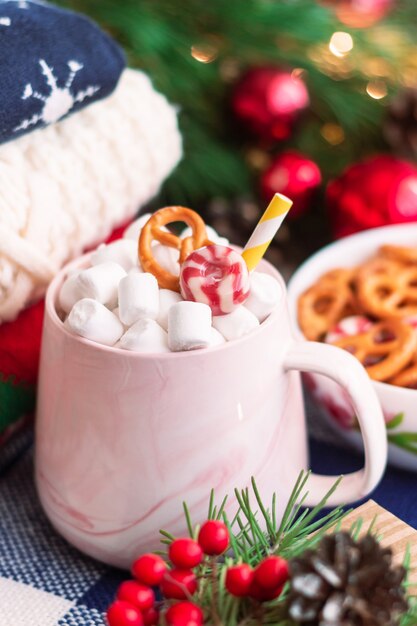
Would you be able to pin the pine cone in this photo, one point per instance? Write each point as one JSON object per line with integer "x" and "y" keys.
{"x": 346, "y": 583}
{"x": 400, "y": 126}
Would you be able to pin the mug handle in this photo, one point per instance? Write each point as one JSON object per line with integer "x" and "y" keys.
{"x": 345, "y": 369}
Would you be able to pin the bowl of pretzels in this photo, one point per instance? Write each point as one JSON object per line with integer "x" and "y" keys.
{"x": 360, "y": 294}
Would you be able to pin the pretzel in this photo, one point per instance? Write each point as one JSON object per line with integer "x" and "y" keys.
{"x": 153, "y": 231}
{"x": 406, "y": 378}
{"x": 326, "y": 302}
{"x": 378, "y": 266}
{"x": 384, "y": 350}
{"x": 386, "y": 295}
{"x": 321, "y": 306}
{"x": 402, "y": 254}
{"x": 342, "y": 276}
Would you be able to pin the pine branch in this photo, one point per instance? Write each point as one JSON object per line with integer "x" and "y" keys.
{"x": 158, "y": 37}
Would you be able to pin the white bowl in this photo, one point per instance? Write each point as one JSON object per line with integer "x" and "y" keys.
{"x": 399, "y": 405}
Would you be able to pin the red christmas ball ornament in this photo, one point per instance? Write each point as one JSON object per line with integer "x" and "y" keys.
{"x": 213, "y": 537}
{"x": 149, "y": 569}
{"x": 184, "y": 614}
{"x": 269, "y": 101}
{"x": 176, "y": 583}
{"x": 376, "y": 192}
{"x": 239, "y": 580}
{"x": 294, "y": 175}
{"x": 150, "y": 617}
{"x": 185, "y": 553}
{"x": 141, "y": 596}
{"x": 272, "y": 572}
{"x": 123, "y": 614}
{"x": 360, "y": 13}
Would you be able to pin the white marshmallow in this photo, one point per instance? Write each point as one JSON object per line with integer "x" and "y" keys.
{"x": 123, "y": 251}
{"x": 264, "y": 295}
{"x": 92, "y": 320}
{"x": 145, "y": 336}
{"x": 216, "y": 338}
{"x": 189, "y": 326}
{"x": 211, "y": 234}
{"x": 138, "y": 298}
{"x": 166, "y": 299}
{"x": 236, "y": 324}
{"x": 136, "y": 270}
{"x": 101, "y": 282}
{"x": 167, "y": 258}
{"x": 133, "y": 231}
{"x": 116, "y": 313}
{"x": 69, "y": 292}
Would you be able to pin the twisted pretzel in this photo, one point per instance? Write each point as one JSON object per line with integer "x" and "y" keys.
{"x": 406, "y": 378}
{"x": 390, "y": 294}
{"x": 384, "y": 350}
{"x": 325, "y": 303}
{"x": 341, "y": 276}
{"x": 378, "y": 266}
{"x": 153, "y": 231}
{"x": 403, "y": 254}
{"x": 320, "y": 307}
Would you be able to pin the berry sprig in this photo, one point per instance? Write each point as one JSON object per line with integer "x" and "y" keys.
{"x": 177, "y": 581}
{"x": 278, "y": 570}
{"x": 192, "y": 561}
{"x": 227, "y": 572}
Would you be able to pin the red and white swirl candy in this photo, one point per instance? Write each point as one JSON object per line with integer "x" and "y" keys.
{"x": 215, "y": 275}
{"x": 348, "y": 327}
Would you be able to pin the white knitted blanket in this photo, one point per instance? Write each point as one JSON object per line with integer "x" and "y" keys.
{"x": 67, "y": 186}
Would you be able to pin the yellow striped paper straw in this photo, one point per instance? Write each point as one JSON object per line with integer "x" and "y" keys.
{"x": 265, "y": 230}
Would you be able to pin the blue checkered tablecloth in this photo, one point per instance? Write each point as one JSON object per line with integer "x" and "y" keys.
{"x": 46, "y": 582}
{"x": 43, "y": 580}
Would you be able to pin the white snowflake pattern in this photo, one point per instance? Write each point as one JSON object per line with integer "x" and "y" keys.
{"x": 23, "y": 4}
{"x": 5, "y": 21}
{"x": 60, "y": 100}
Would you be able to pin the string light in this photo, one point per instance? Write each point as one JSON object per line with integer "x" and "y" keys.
{"x": 376, "y": 89}
{"x": 340, "y": 44}
{"x": 332, "y": 133}
{"x": 204, "y": 52}
{"x": 376, "y": 67}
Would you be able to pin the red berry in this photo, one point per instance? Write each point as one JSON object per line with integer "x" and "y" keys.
{"x": 149, "y": 569}
{"x": 239, "y": 579}
{"x": 123, "y": 614}
{"x": 184, "y": 614}
{"x": 272, "y": 572}
{"x": 141, "y": 596}
{"x": 177, "y": 582}
{"x": 185, "y": 553}
{"x": 150, "y": 617}
{"x": 263, "y": 595}
{"x": 213, "y": 537}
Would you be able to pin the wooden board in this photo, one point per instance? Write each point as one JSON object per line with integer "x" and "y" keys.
{"x": 393, "y": 532}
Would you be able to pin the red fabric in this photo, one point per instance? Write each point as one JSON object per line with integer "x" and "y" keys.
{"x": 20, "y": 341}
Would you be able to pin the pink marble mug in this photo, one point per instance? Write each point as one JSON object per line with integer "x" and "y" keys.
{"x": 122, "y": 439}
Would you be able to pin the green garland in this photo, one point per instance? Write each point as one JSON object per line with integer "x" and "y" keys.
{"x": 158, "y": 36}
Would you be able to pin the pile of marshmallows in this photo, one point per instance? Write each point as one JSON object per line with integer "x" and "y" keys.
{"x": 115, "y": 303}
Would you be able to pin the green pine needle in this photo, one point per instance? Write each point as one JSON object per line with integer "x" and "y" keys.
{"x": 254, "y": 534}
